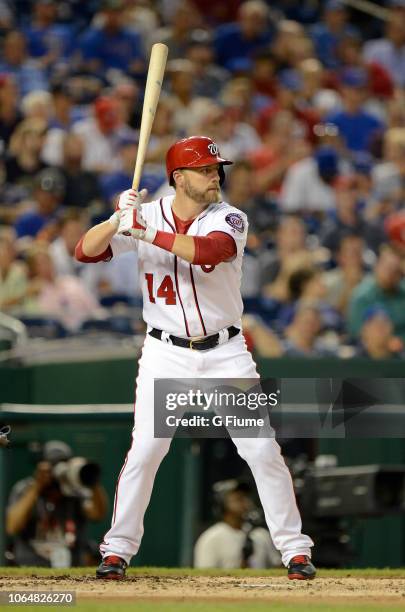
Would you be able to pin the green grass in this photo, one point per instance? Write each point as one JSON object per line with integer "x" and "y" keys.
{"x": 371, "y": 572}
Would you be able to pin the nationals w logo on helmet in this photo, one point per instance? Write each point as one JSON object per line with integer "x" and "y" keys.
{"x": 213, "y": 148}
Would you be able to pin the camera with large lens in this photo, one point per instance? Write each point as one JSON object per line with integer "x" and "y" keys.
{"x": 4, "y": 432}
{"x": 76, "y": 475}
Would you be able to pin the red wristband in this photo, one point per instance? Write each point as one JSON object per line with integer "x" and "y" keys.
{"x": 164, "y": 240}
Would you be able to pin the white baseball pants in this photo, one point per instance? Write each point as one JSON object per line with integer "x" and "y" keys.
{"x": 135, "y": 482}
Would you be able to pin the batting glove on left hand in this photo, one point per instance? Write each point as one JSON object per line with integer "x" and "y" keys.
{"x": 132, "y": 223}
{"x": 130, "y": 199}
{"x": 127, "y": 200}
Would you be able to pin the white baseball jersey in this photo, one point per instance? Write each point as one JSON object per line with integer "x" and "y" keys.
{"x": 184, "y": 299}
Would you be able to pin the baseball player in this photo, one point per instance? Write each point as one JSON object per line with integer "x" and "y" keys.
{"x": 190, "y": 248}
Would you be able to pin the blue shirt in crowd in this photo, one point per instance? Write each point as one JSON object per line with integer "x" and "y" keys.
{"x": 326, "y": 43}
{"x": 57, "y": 37}
{"x": 357, "y": 129}
{"x": 28, "y": 76}
{"x": 31, "y": 223}
{"x": 231, "y": 46}
{"x": 112, "y": 50}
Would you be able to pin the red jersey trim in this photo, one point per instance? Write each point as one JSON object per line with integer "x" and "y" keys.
{"x": 196, "y": 301}
{"x": 165, "y": 218}
{"x": 80, "y": 256}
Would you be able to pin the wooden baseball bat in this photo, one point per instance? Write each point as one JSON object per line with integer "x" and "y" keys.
{"x": 157, "y": 64}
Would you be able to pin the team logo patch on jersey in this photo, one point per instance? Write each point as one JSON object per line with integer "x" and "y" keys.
{"x": 236, "y": 222}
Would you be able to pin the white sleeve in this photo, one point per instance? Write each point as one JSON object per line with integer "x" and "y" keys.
{"x": 122, "y": 244}
{"x": 371, "y": 51}
{"x": 291, "y": 191}
{"x": 233, "y": 222}
{"x": 205, "y": 551}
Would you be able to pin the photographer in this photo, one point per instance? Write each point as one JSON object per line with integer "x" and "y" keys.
{"x": 47, "y": 512}
{"x": 236, "y": 541}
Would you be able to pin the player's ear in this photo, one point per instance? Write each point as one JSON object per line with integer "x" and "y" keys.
{"x": 178, "y": 178}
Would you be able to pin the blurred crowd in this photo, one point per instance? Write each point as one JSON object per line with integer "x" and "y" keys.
{"x": 307, "y": 98}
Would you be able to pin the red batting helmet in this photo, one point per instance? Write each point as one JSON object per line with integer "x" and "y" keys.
{"x": 194, "y": 152}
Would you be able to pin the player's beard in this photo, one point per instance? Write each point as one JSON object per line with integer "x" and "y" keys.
{"x": 206, "y": 197}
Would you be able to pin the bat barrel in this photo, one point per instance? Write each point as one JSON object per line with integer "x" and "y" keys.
{"x": 157, "y": 64}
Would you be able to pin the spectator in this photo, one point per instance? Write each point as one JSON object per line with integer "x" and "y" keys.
{"x": 302, "y": 335}
{"x": 101, "y": 134}
{"x": 240, "y": 190}
{"x": 177, "y": 34}
{"x": 328, "y": 33}
{"x": 47, "y": 524}
{"x": 208, "y": 77}
{"x": 308, "y": 184}
{"x": 48, "y": 41}
{"x": 127, "y": 94}
{"x": 389, "y": 51}
{"x": 217, "y": 12}
{"x": 13, "y": 274}
{"x": 396, "y": 110}
{"x": 376, "y": 335}
{"x": 162, "y": 134}
{"x": 316, "y": 91}
{"x": 27, "y": 73}
{"x": 81, "y": 186}
{"x": 10, "y": 115}
{"x": 263, "y": 76}
{"x": 282, "y": 147}
{"x": 356, "y": 126}
{"x": 395, "y": 229}
{"x": 23, "y": 161}
{"x": 347, "y": 218}
{"x": 111, "y": 184}
{"x": 306, "y": 285}
{"x": 60, "y": 122}
{"x": 7, "y": 16}
{"x": 236, "y": 42}
{"x": 111, "y": 45}
{"x": 48, "y": 195}
{"x": 62, "y": 107}
{"x": 238, "y": 97}
{"x": 301, "y": 49}
{"x": 187, "y": 110}
{"x": 232, "y": 136}
{"x": 389, "y": 175}
{"x": 37, "y": 105}
{"x": 233, "y": 542}
{"x": 64, "y": 298}
{"x": 386, "y": 286}
{"x": 348, "y": 273}
{"x": 288, "y": 98}
{"x": 380, "y": 81}
{"x": 71, "y": 227}
{"x": 142, "y": 17}
{"x": 290, "y": 241}
{"x": 260, "y": 339}
{"x": 281, "y": 47}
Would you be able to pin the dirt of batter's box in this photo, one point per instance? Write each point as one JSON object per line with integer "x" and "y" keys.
{"x": 223, "y": 588}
